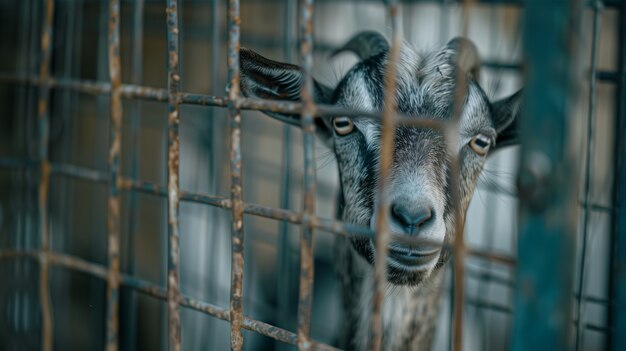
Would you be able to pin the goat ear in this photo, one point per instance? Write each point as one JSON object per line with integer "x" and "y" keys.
{"x": 505, "y": 114}
{"x": 464, "y": 54}
{"x": 266, "y": 79}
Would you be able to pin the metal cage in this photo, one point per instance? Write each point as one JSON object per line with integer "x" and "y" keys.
{"x": 545, "y": 278}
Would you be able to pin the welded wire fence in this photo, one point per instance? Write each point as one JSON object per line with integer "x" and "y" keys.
{"x": 556, "y": 334}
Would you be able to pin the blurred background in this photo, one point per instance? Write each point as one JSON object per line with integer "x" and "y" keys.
{"x": 272, "y": 165}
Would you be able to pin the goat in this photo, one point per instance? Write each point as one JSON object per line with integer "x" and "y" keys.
{"x": 420, "y": 180}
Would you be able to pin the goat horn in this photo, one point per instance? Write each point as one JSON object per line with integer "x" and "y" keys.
{"x": 468, "y": 59}
{"x": 365, "y": 45}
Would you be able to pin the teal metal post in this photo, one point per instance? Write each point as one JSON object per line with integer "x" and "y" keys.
{"x": 617, "y": 313}
{"x": 547, "y": 180}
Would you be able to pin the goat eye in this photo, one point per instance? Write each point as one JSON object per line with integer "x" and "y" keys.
{"x": 343, "y": 125}
{"x": 480, "y": 144}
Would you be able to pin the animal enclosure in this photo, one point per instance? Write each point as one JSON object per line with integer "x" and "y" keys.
{"x": 145, "y": 203}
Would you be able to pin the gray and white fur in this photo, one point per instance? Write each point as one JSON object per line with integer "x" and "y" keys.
{"x": 420, "y": 181}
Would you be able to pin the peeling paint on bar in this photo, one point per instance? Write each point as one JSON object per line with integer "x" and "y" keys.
{"x": 307, "y": 259}
{"x": 236, "y": 186}
{"x": 173, "y": 159}
{"x": 130, "y": 91}
{"x": 326, "y": 224}
{"x": 114, "y": 196}
{"x": 460, "y": 250}
{"x": 386, "y": 159}
{"x": 153, "y": 290}
{"x": 44, "y": 174}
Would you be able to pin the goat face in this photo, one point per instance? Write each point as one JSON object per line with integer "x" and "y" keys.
{"x": 420, "y": 185}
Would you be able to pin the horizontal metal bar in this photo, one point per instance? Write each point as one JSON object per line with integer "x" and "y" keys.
{"x": 153, "y": 290}
{"x": 131, "y": 91}
{"x": 493, "y": 2}
{"x": 486, "y": 276}
{"x": 606, "y": 76}
{"x": 329, "y": 225}
{"x": 489, "y": 305}
{"x": 499, "y": 65}
{"x": 597, "y": 328}
{"x": 509, "y": 311}
{"x": 519, "y": 3}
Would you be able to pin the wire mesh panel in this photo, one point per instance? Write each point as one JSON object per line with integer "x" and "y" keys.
{"x": 148, "y": 268}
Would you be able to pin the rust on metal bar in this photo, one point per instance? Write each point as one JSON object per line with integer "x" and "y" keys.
{"x": 236, "y": 185}
{"x": 386, "y": 158}
{"x": 114, "y": 197}
{"x": 173, "y": 159}
{"x": 326, "y": 224}
{"x": 44, "y": 174}
{"x": 155, "y": 291}
{"x": 330, "y": 225}
{"x": 452, "y": 135}
{"x": 305, "y": 295}
{"x": 133, "y": 91}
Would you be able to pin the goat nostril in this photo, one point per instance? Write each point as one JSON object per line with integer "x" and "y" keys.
{"x": 424, "y": 217}
{"x": 411, "y": 218}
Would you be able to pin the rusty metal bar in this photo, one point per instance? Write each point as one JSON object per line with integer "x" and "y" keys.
{"x": 285, "y": 263}
{"x": 307, "y": 260}
{"x": 44, "y": 174}
{"x": 452, "y": 135}
{"x": 114, "y": 197}
{"x": 580, "y": 306}
{"x": 386, "y": 159}
{"x": 173, "y": 193}
{"x": 131, "y": 91}
{"x": 236, "y": 185}
{"x": 326, "y": 224}
{"x": 155, "y": 291}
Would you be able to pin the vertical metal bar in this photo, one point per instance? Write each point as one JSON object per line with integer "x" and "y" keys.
{"x": 491, "y": 207}
{"x": 579, "y": 331}
{"x": 236, "y": 186}
{"x": 215, "y": 132}
{"x": 173, "y": 194}
{"x": 452, "y": 136}
{"x": 284, "y": 249}
{"x": 305, "y": 296}
{"x": 617, "y": 312}
{"x": 129, "y": 302}
{"x": 100, "y": 146}
{"x": 215, "y": 44}
{"x": 114, "y": 200}
{"x": 444, "y": 20}
{"x": 386, "y": 159}
{"x": 44, "y": 169}
{"x": 548, "y": 206}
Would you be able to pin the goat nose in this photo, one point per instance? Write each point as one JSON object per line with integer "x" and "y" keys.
{"x": 411, "y": 217}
